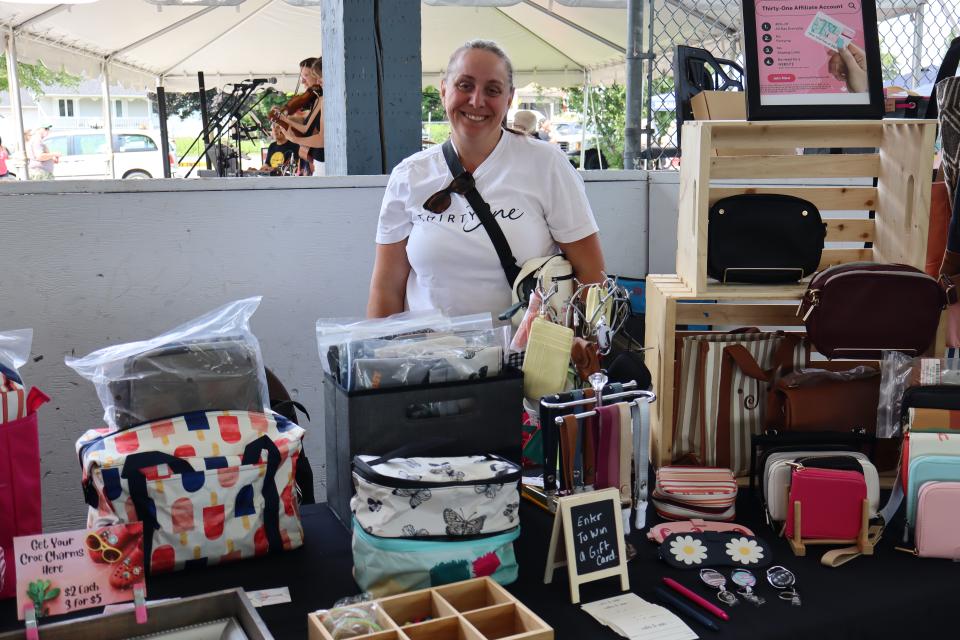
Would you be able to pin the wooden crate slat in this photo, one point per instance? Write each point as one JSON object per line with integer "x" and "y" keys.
{"x": 825, "y": 198}
{"x": 831, "y": 257}
{"x": 850, "y": 230}
{"x": 903, "y": 187}
{"x": 738, "y": 314}
{"x": 811, "y": 166}
{"x": 776, "y": 135}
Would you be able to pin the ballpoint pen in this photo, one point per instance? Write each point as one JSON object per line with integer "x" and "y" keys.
{"x": 686, "y": 609}
{"x": 693, "y": 597}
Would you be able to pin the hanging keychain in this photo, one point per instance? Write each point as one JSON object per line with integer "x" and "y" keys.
{"x": 717, "y": 580}
{"x": 746, "y": 581}
{"x": 783, "y": 578}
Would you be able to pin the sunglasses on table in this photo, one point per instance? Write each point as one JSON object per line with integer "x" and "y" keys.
{"x": 440, "y": 201}
{"x": 105, "y": 545}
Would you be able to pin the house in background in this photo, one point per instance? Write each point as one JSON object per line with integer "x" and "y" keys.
{"x": 78, "y": 107}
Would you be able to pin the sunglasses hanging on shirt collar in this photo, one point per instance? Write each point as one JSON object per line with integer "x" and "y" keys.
{"x": 440, "y": 201}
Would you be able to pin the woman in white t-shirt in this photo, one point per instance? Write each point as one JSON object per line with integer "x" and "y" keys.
{"x": 434, "y": 260}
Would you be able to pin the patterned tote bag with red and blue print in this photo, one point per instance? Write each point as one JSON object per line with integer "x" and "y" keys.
{"x": 209, "y": 487}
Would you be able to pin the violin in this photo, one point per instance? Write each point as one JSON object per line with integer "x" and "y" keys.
{"x": 300, "y": 102}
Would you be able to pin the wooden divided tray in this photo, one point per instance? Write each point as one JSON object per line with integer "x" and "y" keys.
{"x": 478, "y": 609}
{"x": 886, "y": 169}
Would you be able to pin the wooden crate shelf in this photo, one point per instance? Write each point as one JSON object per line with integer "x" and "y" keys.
{"x": 478, "y": 609}
{"x": 902, "y": 167}
{"x": 670, "y": 302}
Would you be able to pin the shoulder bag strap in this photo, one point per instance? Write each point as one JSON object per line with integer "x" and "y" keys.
{"x": 482, "y": 209}
{"x": 948, "y": 68}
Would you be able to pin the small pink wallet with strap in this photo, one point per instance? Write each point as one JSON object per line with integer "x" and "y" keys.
{"x": 659, "y": 532}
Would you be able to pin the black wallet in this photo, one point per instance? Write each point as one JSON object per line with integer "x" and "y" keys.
{"x": 763, "y": 238}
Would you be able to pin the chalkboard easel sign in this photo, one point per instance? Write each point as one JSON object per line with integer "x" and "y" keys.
{"x": 592, "y": 534}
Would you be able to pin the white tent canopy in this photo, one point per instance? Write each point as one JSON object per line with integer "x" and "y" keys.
{"x": 550, "y": 43}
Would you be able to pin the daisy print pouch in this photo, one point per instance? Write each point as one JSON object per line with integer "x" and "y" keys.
{"x": 696, "y": 550}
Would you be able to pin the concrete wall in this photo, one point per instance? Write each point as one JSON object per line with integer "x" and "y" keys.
{"x": 88, "y": 264}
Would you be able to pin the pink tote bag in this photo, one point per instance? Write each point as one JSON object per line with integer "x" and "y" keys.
{"x": 20, "y": 507}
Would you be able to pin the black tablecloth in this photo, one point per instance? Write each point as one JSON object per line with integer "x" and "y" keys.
{"x": 888, "y": 595}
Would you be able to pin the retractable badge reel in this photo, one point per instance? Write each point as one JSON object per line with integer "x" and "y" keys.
{"x": 783, "y": 579}
{"x": 746, "y": 581}
{"x": 718, "y": 581}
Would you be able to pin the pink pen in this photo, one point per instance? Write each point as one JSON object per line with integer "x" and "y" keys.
{"x": 697, "y": 600}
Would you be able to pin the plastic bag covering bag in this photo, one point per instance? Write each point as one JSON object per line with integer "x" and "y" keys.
{"x": 900, "y": 372}
{"x": 428, "y": 358}
{"x": 209, "y": 363}
{"x": 14, "y": 352}
{"x": 341, "y": 343}
{"x": 334, "y": 334}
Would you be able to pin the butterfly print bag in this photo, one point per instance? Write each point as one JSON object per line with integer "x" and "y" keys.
{"x": 442, "y": 497}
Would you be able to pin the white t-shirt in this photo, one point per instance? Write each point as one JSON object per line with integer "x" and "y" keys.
{"x": 535, "y": 194}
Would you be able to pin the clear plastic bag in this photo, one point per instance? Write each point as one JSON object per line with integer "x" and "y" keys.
{"x": 14, "y": 353}
{"x": 334, "y": 335}
{"x": 352, "y": 620}
{"x": 428, "y": 358}
{"x": 210, "y": 363}
{"x": 410, "y": 348}
{"x": 898, "y": 372}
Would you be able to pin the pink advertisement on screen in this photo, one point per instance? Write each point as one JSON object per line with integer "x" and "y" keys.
{"x": 811, "y": 52}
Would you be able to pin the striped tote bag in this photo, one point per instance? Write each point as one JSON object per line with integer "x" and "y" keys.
{"x": 719, "y": 406}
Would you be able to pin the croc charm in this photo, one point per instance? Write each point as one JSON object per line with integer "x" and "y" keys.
{"x": 782, "y": 578}
{"x": 717, "y": 580}
{"x": 746, "y": 581}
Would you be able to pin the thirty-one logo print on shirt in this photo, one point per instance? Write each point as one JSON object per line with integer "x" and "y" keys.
{"x": 469, "y": 220}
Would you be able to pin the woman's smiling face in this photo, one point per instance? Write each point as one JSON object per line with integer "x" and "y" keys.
{"x": 476, "y": 94}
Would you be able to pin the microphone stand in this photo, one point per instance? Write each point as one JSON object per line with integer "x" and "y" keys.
{"x": 240, "y": 130}
{"x": 218, "y": 123}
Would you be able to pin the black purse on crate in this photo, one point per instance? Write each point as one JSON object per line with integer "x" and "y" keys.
{"x": 764, "y": 239}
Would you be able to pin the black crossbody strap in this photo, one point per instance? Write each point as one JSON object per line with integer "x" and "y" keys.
{"x": 482, "y": 209}
{"x": 947, "y": 68}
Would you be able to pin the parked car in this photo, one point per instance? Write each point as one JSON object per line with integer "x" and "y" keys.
{"x": 569, "y": 135}
{"x": 84, "y": 155}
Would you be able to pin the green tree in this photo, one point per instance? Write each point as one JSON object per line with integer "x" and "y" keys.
{"x": 607, "y": 118}
{"x": 889, "y": 66}
{"x": 431, "y": 105}
{"x": 35, "y": 77}
{"x": 183, "y": 105}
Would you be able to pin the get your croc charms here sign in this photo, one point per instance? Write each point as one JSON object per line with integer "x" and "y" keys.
{"x": 72, "y": 570}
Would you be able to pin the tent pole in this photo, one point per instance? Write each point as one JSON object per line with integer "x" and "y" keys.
{"x": 164, "y": 135}
{"x": 584, "y": 119}
{"x": 107, "y": 113}
{"x": 918, "y": 17}
{"x": 13, "y": 87}
{"x": 632, "y": 145}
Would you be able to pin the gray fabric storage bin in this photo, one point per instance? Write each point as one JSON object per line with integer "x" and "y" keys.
{"x": 377, "y": 421}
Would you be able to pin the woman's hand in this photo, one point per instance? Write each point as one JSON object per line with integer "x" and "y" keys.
{"x": 388, "y": 285}
{"x": 849, "y": 65}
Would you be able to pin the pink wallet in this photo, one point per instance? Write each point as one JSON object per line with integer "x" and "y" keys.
{"x": 938, "y": 520}
{"x": 659, "y": 532}
{"x": 831, "y": 503}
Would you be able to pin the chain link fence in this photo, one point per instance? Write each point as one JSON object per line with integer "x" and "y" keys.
{"x": 914, "y": 36}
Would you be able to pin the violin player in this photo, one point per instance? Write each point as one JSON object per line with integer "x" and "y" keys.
{"x": 308, "y": 132}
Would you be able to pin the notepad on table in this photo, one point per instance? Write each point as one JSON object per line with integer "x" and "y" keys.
{"x": 633, "y": 617}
